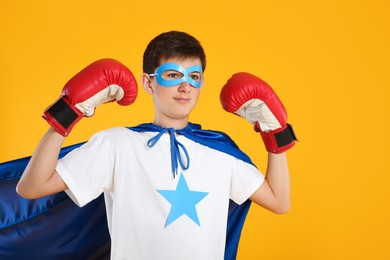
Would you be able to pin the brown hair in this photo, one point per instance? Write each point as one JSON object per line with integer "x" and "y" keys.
{"x": 169, "y": 45}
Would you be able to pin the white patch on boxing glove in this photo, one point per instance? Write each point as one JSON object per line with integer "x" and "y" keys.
{"x": 255, "y": 110}
{"x": 110, "y": 93}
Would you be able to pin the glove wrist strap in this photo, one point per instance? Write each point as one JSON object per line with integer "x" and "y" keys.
{"x": 62, "y": 116}
{"x": 279, "y": 140}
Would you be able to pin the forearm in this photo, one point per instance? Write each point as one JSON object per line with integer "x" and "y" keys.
{"x": 278, "y": 178}
{"x": 274, "y": 193}
{"x": 37, "y": 179}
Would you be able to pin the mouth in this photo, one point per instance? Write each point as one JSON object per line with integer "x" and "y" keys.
{"x": 182, "y": 99}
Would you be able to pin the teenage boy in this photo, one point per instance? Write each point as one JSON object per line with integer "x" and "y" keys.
{"x": 167, "y": 184}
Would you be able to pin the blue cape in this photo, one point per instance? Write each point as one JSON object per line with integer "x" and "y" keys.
{"x": 53, "y": 227}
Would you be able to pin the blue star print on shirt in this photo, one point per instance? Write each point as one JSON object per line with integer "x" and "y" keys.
{"x": 182, "y": 201}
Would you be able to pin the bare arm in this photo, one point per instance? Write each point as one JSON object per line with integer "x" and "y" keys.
{"x": 40, "y": 178}
{"x": 252, "y": 98}
{"x": 274, "y": 193}
{"x": 116, "y": 82}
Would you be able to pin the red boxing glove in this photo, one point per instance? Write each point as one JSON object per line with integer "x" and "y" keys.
{"x": 102, "y": 81}
{"x": 253, "y": 99}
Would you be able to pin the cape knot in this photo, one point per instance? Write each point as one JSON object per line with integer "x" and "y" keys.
{"x": 176, "y": 146}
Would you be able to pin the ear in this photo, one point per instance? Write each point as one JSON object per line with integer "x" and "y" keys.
{"x": 146, "y": 82}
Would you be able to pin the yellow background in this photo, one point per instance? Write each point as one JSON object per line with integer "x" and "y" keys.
{"x": 327, "y": 60}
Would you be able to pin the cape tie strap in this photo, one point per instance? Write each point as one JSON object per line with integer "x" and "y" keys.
{"x": 213, "y": 139}
{"x": 175, "y": 150}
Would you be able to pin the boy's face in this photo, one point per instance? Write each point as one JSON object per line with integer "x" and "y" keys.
{"x": 173, "y": 104}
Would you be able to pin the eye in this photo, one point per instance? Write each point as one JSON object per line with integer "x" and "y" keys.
{"x": 195, "y": 76}
{"x": 172, "y": 75}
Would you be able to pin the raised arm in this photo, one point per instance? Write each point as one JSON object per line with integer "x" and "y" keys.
{"x": 40, "y": 178}
{"x": 274, "y": 193}
{"x": 253, "y": 99}
{"x": 103, "y": 81}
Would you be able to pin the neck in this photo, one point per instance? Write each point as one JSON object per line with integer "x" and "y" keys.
{"x": 175, "y": 124}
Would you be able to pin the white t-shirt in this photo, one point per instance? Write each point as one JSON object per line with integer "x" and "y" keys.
{"x": 151, "y": 214}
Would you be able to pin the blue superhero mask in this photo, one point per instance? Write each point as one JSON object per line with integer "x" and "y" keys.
{"x": 163, "y": 75}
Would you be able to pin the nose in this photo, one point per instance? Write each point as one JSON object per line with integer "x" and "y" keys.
{"x": 185, "y": 87}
